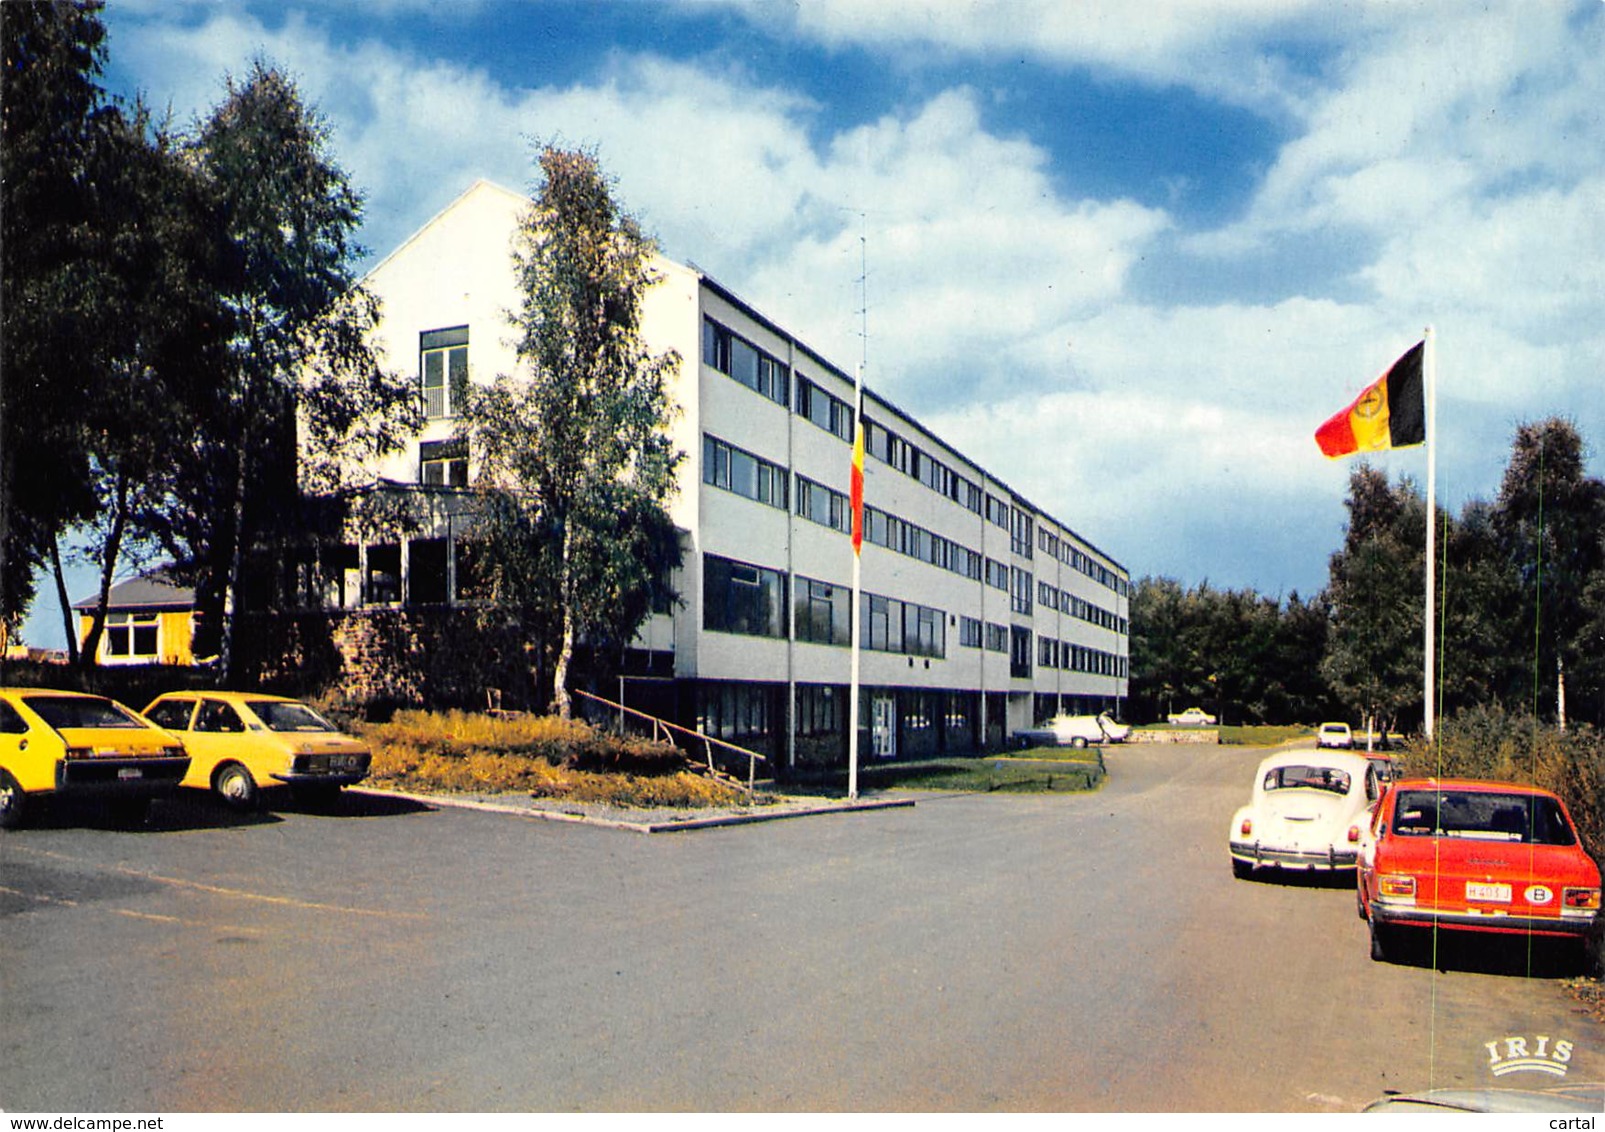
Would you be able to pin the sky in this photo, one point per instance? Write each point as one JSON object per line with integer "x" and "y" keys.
{"x": 1126, "y": 257}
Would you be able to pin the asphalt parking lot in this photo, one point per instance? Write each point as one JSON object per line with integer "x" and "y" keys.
{"x": 968, "y": 953}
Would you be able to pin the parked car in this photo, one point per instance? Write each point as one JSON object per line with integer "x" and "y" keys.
{"x": 1192, "y": 717}
{"x": 1335, "y": 735}
{"x": 72, "y": 745}
{"x": 1307, "y": 812}
{"x": 1074, "y": 731}
{"x": 1474, "y": 856}
{"x": 243, "y": 742}
{"x": 1386, "y": 766}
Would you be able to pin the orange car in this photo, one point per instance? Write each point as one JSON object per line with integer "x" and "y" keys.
{"x": 1474, "y": 856}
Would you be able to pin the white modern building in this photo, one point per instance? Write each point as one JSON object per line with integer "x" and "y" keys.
{"x": 982, "y": 614}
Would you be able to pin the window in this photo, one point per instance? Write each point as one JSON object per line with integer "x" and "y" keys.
{"x": 132, "y": 634}
{"x": 1019, "y": 651}
{"x": 924, "y": 630}
{"x": 823, "y": 505}
{"x": 741, "y": 598}
{"x": 443, "y": 463}
{"x": 734, "y": 356}
{"x": 997, "y": 575}
{"x": 1047, "y": 652}
{"x": 997, "y": 511}
{"x": 217, "y": 716}
{"x": 1020, "y": 594}
{"x": 819, "y": 710}
{"x": 426, "y": 571}
{"x": 997, "y": 638}
{"x": 969, "y": 633}
{"x": 1020, "y": 533}
{"x": 384, "y": 574}
{"x": 733, "y": 469}
{"x": 883, "y": 623}
{"x": 829, "y": 413}
{"x": 824, "y": 613}
{"x": 444, "y": 370}
{"x": 1047, "y": 595}
{"x": 737, "y": 713}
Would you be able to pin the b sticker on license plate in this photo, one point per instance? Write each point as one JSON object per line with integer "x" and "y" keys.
{"x": 130, "y": 772}
{"x": 1492, "y": 893}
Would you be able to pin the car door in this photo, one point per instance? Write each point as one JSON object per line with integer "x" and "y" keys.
{"x": 227, "y": 734}
{"x": 173, "y": 713}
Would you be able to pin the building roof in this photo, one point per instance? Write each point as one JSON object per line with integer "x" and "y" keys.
{"x": 149, "y": 591}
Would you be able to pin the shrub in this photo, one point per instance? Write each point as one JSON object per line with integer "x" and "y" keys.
{"x": 545, "y": 756}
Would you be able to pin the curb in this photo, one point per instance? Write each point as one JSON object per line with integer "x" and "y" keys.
{"x": 449, "y": 802}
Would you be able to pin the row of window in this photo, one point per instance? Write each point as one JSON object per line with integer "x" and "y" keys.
{"x": 1064, "y": 551}
{"x": 737, "y": 470}
{"x": 739, "y": 597}
{"x": 1081, "y": 609}
{"x": 735, "y": 357}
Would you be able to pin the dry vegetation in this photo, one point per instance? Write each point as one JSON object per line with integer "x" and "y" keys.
{"x": 457, "y": 752}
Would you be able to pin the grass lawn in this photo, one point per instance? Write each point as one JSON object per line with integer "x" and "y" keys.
{"x": 1036, "y": 771}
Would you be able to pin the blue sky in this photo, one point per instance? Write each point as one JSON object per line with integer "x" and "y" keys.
{"x": 1128, "y": 257}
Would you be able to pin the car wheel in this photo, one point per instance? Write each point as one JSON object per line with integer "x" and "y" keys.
{"x": 1079, "y": 743}
{"x": 1359, "y": 900}
{"x": 13, "y": 802}
{"x": 234, "y": 784}
{"x": 1379, "y": 942}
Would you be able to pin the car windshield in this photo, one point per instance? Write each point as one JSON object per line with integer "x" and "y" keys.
{"x": 1525, "y": 818}
{"x": 1309, "y": 777}
{"x": 289, "y": 716}
{"x": 80, "y": 711}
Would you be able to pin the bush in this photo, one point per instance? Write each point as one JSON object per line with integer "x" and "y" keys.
{"x": 545, "y": 756}
{"x": 1490, "y": 742}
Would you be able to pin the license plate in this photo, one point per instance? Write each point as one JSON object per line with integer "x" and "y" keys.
{"x": 1493, "y": 893}
{"x": 130, "y": 772}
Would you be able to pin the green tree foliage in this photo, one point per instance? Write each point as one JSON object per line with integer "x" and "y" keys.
{"x": 1377, "y": 590}
{"x": 575, "y": 464}
{"x": 53, "y": 112}
{"x": 1235, "y": 653}
{"x": 1549, "y": 520}
{"x": 300, "y": 355}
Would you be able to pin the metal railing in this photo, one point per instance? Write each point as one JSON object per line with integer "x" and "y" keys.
{"x": 664, "y": 730}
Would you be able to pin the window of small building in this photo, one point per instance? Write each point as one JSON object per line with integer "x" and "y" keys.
{"x": 426, "y": 571}
{"x": 384, "y": 574}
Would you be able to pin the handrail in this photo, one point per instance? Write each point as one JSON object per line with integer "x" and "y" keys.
{"x": 708, "y": 741}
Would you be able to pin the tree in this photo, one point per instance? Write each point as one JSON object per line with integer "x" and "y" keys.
{"x": 161, "y": 344}
{"x": 1377, "y": 591}
{"x": 301, "y": 353}
{"x": 1549, "y": 518}
{"x": 575, "y": 463}
{"x": 53, "y": 110}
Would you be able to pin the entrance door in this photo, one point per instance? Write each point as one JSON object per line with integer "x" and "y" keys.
{"x": 883, "y": 727}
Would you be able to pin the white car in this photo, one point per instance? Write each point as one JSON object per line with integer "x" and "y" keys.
{"x": 1308, "y": 812}
{"x": 1336, "y": 735}
{"x": 1075, "y": 731}
{"x": 1192, "y": 717}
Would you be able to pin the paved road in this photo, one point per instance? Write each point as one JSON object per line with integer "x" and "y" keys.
{"x": 971, "y": 953}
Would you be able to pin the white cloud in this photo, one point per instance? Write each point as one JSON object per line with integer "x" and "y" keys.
{"x": 1461, "y": 156}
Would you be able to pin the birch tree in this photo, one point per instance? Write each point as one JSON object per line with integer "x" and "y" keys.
{"x": 574, "y": 461}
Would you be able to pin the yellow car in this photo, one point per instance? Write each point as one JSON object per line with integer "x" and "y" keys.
{"x": 70, "y": 744}
{"x": 242, "y": 742}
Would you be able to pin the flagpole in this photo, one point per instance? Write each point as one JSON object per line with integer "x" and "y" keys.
{"x": 857, "y": 617}
{"x": 1429, "y": 371}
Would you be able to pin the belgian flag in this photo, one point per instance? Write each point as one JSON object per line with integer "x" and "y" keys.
{"x": 1389, "y": 413}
